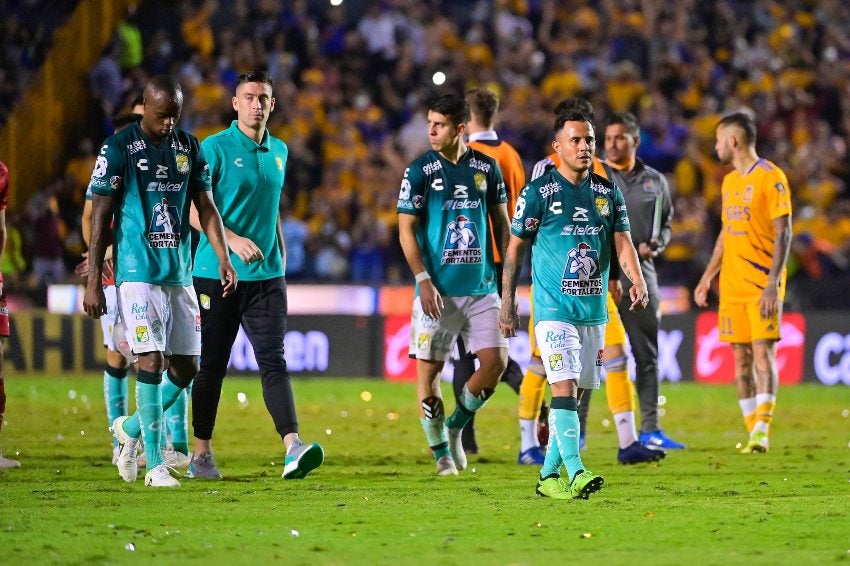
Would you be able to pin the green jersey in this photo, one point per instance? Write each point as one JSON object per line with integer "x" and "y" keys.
{"x": 452, "y": 201}
{"x": 152, "y": 186}
{"x": 247, "y": 179}
{"x": 571, "y": 229}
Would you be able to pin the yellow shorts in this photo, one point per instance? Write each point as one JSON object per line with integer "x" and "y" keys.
{"x": 742, "y": 323}
{"x": 615, "y": 332}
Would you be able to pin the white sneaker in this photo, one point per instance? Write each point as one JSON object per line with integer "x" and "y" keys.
{"x": 8, "y": 463}
{"x": 115, "y": 451}
{"x": 128, "y": 469}
{"x": 456, "y": 447}
{"x": 174, "y": 459}
{"x": 446, "y": 466}
{"x": 160, "y": 477}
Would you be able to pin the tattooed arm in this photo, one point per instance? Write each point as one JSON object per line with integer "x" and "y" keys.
{"x": 514, "y": 255}
{"x": 630, "y": 266}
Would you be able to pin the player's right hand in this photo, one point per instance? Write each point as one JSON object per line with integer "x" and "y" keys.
{"x": 431, "y": 300}
{"x": 94, "y": 301}
{"x": 701, "y": 293}
{"x": 245, "y": 249}
{"x": 229, "y": 279}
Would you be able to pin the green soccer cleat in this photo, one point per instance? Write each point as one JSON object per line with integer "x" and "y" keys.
{"x": 584, "y": 483}
{"x": 758, "y": 443}
{"x": 553, "y": 486}
{"x": 301, "y": 460}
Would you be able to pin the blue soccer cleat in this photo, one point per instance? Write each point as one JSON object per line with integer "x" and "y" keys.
{"x": 637, "y": 453}
{"x": 657, "y": 439}
{"x": 534, "y": 456}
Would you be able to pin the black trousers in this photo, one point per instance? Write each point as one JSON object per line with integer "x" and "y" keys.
{"x": 260, "y": 307}
{"x": 642, "y": 328}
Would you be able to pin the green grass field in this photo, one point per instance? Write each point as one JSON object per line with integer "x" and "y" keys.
{"x": 376, "y": 500}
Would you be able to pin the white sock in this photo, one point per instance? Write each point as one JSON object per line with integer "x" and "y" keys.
{"x": 763, "y": 398}
{"x": 626, "y": 431}
{"x": 528, "y": 434}
{"x": 748, "y": 405}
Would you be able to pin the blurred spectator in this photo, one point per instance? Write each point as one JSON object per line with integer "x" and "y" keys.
{"x": 48, "y": 236}
{"x": 295, "y": 233}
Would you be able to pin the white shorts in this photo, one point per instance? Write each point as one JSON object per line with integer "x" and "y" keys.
{"x": 109, "y": 320}
{"x": 160, "y": 318}
{"x": 571, "y": 352}
{"x": 476, "y": 319}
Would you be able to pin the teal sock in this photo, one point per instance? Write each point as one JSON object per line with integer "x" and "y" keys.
{"x": 149, "y": 418}
{"x": 553, "y": 461}
{"x": 115, "y": 394}
{"x": 567, "y": 431}
{"x": 435, "y": 434}
{"x": 177, "y": 416}
{"x": 467, "y": 405}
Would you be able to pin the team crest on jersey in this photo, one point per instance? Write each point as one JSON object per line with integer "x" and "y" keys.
{"x": 531, "y": 224}
{"x": 142, "y": 335}
{"x": 423, "y": 342}
{"x": 649, "y": 186}
{"x": 582, "y": 276}
{"x": 556, "y": 362}
{"x": 603, "y": 206}
{"x": 748, "y": 194}
{"x": 462, "y": 244}
{"x": 165, "y": 226}
{"x": 182, "y": 162}
{"x": 279, "y": 162}
{"x": 480, "y": 182}
{"x": 204, "y": 300}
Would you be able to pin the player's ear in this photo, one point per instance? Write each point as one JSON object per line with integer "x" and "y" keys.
{"x": 235, "y": 102}
{"x": 271, "y": 105}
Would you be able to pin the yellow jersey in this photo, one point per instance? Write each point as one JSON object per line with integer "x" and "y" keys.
{"x": 750, "y": 203}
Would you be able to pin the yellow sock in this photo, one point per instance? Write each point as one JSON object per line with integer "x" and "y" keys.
{"x": 620, "y": 391}
{"x": 531, "y": 391}
{"x": 763, "y": 416}
{"x": 750, "y": 421}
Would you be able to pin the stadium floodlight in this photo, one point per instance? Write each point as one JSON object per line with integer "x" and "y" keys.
{"x": 439, "y": 78}
{"x": 336, "y": 2}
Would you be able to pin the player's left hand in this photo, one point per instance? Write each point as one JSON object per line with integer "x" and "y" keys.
{"x": 639, "y": 296}
{"x": 508, "y": 319}
{"x": 229, "y": 278}
{"x": 616, "y": 289}
{"x": 769, "y": 301}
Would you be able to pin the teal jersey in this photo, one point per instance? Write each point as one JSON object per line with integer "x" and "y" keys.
{"x": 152, "y": 187}
{"x": 452, "y": 202}
{"x": 247, "y": 179}
{"x": 571, "y": 229}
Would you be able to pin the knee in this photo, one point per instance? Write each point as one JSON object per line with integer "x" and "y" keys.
{"x": 182, "y": 370}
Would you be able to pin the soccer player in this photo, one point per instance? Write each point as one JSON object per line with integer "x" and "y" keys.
{"x": 5, "y": 463}
{"x": 750, "y": 253}
{"x": 618, "y": 387}
{"x": 650, "y": 209}
{"x": 483, "y": 107}
{"x": 571, "y": 218}
{"x": 247, "y": 167}
{"x": 455, "y": 288}
{"x": 149, "y": 173}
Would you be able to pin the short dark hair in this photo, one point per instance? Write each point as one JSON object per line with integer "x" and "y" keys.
{"x": 167, "y": 86}
{"x": 743, "y": 121}
{"x": 570, "y": 116}
{"x": 138, "y": 100}
{"x": 627, "y": 119}
{"x": 450, "y": 105}
{"x": 575, "y": 103}
{"x": 255, "y": 76}
{"x": 483, "y": 104}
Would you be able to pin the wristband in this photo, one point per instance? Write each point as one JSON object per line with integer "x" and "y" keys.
{"x": 422, "y": 276}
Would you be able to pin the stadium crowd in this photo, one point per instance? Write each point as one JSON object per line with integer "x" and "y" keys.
{"x": 351, "y": 80}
